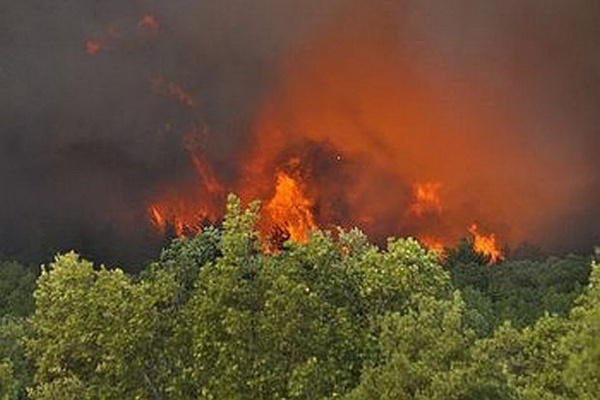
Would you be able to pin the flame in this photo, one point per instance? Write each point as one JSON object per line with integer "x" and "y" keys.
{"x": 157, "y": 218}
{"x": 183, "y": 216}
{"x": 426, "y": 198}
{"x": 485, "y": 244}
{"x": 187, "y": 207}
{"x": 289, "y": 209}
{"x": 356, "y": 91}
{"x": 432, "y": 243}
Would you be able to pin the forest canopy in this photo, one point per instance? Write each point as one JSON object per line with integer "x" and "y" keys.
{"x": 217, "y": 316}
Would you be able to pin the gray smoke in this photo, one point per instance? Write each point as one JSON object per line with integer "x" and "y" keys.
{"x": 85, "y": 141}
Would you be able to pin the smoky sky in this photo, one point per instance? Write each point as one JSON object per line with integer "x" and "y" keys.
{"x": 86, "y": 141}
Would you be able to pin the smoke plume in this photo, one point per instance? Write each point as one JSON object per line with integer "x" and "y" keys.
{"x": 103, "y": 102}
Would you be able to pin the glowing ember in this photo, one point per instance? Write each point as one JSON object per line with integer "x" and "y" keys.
{"x": 289, "y": 209}
{"x": 149, "y": 23}
{"x": 485, "y": 244}
{"x": 432, "y": 243}
{"x": 426, "y": 198}
{"x": 173, "y": 90}
{"x": 93, "y": 46}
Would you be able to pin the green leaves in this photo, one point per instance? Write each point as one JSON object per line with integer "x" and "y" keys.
{"x": 418, "y": 348}
{"x": 16, "y": 289}
{"x": 337, "y": 317}
{"x": 582, "y": 372}
{"x": 94, "y": 329}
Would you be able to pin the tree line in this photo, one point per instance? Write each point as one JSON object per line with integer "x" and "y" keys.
{"x": 217, "y": 317}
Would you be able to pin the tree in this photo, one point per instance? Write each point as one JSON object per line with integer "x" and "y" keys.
{"x": 418, "y": 348}
{"x": 16, "y": 289}
{"x": 15, "y": 365}
{"x": 94, "y": 332}
{"x": 219, "y": 317}
{"x": 582, "y": 372}
{"x": 281, "y": 325}
{"x": 8, "y": 383}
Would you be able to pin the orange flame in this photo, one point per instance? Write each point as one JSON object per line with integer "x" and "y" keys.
{"x": 485, "y": 244}
{"x": 186, "y": 208}
{"x": 432, "y": 243}
{"x": 426, "y": 198}
{"x": 356, "y": 91}
{"x": 290, "y": 209}
{"x": 182, "y": 215}
{"x": 157, "y": 218}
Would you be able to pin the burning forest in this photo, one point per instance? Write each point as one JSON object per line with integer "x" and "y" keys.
{"x": 123, "y": 125}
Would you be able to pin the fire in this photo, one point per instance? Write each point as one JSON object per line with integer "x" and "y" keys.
{"x": 426, "y": 198}
{"x": 432, "y": 243}
{"x": 353, "y": 92}
{"x": 183, "y": 216}
{"x": 485, "y": 244}
{"x": 188, "y": 207}
{"x": 157, "y": 218}
{"x": 289, "y": 209}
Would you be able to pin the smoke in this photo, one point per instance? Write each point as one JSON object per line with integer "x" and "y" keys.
{"x": 498, "y": 100}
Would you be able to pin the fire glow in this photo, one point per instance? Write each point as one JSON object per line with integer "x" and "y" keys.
{"x": 289, "y": 209}
{"x": 405, "y": 118}
{"x": 335, "y": 144}
{"x": 485, "y": 244}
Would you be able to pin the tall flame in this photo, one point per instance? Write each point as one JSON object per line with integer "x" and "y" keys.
{"x": 290, "y": 209}
{"x": 485, "y": 244}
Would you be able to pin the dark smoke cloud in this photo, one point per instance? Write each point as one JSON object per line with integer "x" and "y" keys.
{"x": 85, "y": 141}
{"x": 541, "y": 60}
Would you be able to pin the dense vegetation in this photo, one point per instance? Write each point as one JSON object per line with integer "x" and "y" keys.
{"x": 215, "y": 317}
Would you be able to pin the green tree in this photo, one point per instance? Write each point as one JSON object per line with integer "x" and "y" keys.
{"x": 582, "y": 372}
{"x": 530, "y": 361}
{"x": 8, "y": 383}
{"x": 418, "y": 347}
{"x": 13, "y": 331}
{"x": 274, "y": 326}
{"x": 217, "y": 317}
{"x": 94, "y": 332}
{"x": 16, "y": 289}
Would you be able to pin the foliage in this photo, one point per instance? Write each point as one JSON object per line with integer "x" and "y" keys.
{"x": 418, "y": 348}
{"x": 15, "y": 365}
{"x": 218, "y": 317}
{"x": 16, "y": 289}
{"x": 520, "y": 291}
{"x": 94, "y": 332}
{"x": 8, "y": 383}
{"x": 582, "y": 373}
